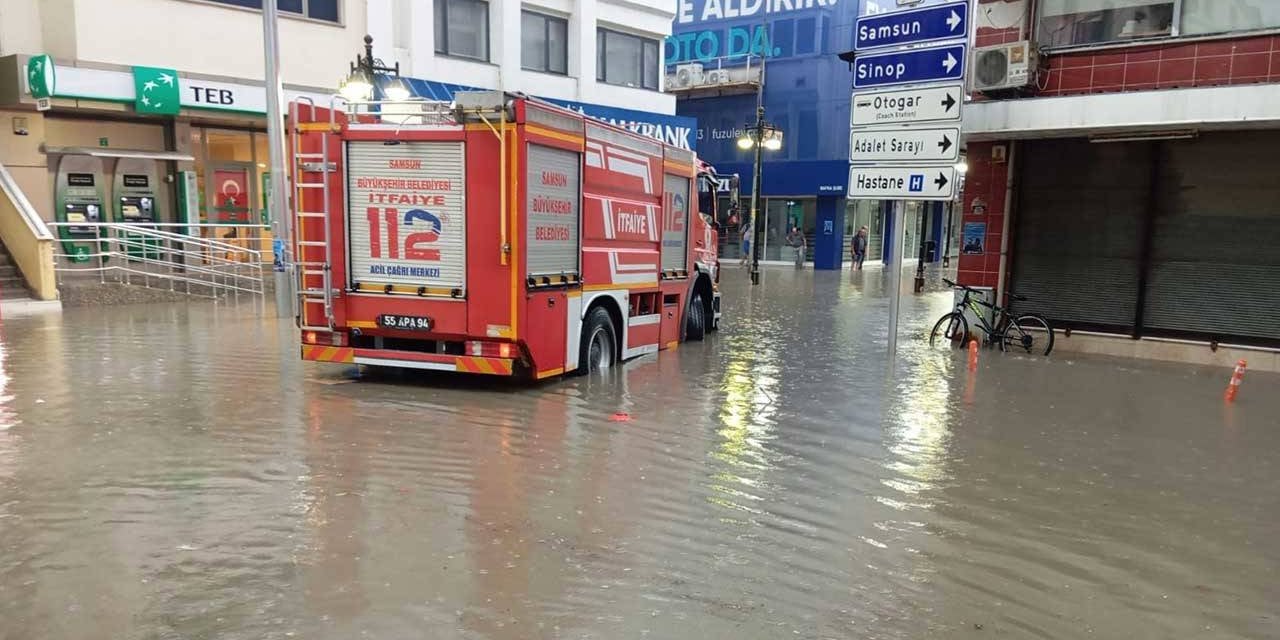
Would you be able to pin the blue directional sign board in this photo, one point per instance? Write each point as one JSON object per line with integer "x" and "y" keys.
{"x": 932, "y": 24}
{"x": 914, "y": 66}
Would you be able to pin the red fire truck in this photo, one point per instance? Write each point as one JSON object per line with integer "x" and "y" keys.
{"x": 496, "y": 234}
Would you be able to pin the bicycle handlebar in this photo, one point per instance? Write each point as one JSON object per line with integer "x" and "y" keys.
{"x": 959, "y": 286}
{"x": 1012, "y": 296}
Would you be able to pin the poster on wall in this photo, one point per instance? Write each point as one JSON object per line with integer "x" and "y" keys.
{"x": 974, "y": 238}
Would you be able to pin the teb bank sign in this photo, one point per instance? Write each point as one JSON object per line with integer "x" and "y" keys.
{"x": 735, "y": 43}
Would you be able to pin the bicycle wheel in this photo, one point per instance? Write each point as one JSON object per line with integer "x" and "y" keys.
{"x": 950, "y": 332}
{"x": 1028, "y": 332}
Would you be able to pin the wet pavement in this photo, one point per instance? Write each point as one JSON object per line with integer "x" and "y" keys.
{"x": 166, "y": 473}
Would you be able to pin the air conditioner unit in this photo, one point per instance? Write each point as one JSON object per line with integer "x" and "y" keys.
{"x": 688, "y": 75}
{"x": 1007, "y": 66}
{"x": 719, "y": 76}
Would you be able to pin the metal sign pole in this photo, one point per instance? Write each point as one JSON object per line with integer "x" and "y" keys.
{"x": 275, "y": 146}
{"x": 888, "y": 161}
{"x": 897, "y": 246}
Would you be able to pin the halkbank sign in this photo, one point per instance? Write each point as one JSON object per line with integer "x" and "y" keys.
{"x": 151, "y": 90}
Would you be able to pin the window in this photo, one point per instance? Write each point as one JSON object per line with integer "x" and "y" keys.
{"x": 1065, "y": 23}
{"x": 326, "y": 10}
{"x": 543, "y": 43}
{"x": 627, "y": 60}
{"x": 1202, "y": 17}
{"x": 462, "y": 28}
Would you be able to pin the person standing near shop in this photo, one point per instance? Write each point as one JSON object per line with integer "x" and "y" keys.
{"x": 796, "y": 239}
{"x": 859, "y": 248}
{"x": 746, "y": 243}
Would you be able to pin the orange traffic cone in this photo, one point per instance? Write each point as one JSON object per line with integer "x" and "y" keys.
{"x": 1237, "y": 377}
{"x": 973, "y": 355}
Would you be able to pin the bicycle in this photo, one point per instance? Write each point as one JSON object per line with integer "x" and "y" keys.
{"x": 1027, "y": 331}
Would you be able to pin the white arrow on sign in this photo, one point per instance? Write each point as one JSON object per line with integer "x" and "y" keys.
{"x": 902, "y": 183}
{"x": 907, "y": 106}
{"x": 939, "y": 144}
{"x": 954, "y": 20}
{"x": 950, "y": 62}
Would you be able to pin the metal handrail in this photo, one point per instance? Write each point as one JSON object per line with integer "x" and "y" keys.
{"x": 431, "y": 112}
{"x": 140, "y": 253}
{"x": 30, "y": 216}
{"x": 742, "y": 60}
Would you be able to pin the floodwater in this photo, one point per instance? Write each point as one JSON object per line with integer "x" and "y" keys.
{"x": 165, "y": 472}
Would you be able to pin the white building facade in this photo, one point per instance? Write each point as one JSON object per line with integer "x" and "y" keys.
{"x": 176, "y": 84}
{"x": 602, "y": 52}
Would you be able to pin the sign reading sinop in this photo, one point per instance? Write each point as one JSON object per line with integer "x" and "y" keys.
{"x": 733, "y": 41}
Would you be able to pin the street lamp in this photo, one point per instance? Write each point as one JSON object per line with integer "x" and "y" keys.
{"x": 359, "y": 83}
{"x": 760, "y": 135}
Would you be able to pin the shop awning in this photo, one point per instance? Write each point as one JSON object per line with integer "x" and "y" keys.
{"x": 107, "y": 152}
{"x": 1251, "y": 106}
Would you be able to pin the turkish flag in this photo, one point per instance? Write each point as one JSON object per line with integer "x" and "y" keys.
{"x": 231, "y": 189}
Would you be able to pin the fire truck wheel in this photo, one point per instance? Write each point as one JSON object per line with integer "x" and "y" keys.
{"x": 695, "y": 323}
{"x": 599, "y": 346}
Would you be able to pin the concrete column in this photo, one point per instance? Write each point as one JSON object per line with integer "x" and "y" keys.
{"x": 424, "y": 47}
{"x": 380, "y": 27}
{"x": 504, "y": 42}
{"x": 582, "y": 47}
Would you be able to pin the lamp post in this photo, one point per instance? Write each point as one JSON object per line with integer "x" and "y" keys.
{"x": 361, "y": 81}
{"x": 279, "y": 220}
{"x": 761, "y": 135}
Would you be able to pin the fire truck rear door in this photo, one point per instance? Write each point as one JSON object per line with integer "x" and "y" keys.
{"x": 406, "y": 222}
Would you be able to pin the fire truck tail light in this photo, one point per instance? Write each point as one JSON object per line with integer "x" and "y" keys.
{"x": 481, "y": 349}
{"x": 317, "y": 337}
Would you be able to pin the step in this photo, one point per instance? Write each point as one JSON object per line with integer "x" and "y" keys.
{"x": 10, "y": 293}
{"x": 8, "y": 271}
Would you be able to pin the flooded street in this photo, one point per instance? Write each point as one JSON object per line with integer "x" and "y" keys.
{"x": 176, "y": 472}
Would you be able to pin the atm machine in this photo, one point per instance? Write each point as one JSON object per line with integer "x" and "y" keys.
{"x": 136, "y": 203}
{"x": 78, "y": 195}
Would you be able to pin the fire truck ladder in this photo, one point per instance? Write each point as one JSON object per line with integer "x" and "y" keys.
{"x": 313, "y": 256}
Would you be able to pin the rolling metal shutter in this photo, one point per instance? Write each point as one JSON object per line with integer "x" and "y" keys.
{"x": 675, "y": 223}
{"x": 1078, "y": 225}
{"x": 553, "y": 205}
{"x": 407, "y": 213}
{"x": 1215, "y": 254}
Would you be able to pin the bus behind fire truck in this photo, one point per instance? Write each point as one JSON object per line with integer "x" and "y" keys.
{"x": 497, "y": 234}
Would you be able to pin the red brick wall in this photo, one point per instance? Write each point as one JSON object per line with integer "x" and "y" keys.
{"x": 1164, "y": 65}
{"x": 985, "y": 185}
{"x": 1167, "y": 65}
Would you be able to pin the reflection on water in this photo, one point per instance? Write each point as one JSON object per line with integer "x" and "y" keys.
{"x": 165, "y": 472}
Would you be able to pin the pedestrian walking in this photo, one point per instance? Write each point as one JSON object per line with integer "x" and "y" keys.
{"x": 796, "y": 240}
{"x": 860, "y": 248}
{"x": 746, "y": 244}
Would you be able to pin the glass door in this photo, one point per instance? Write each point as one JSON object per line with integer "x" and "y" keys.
{"x": 228, "y": 170}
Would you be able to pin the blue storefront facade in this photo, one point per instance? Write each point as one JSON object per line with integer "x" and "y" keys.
{"x": 806, "y": 95}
